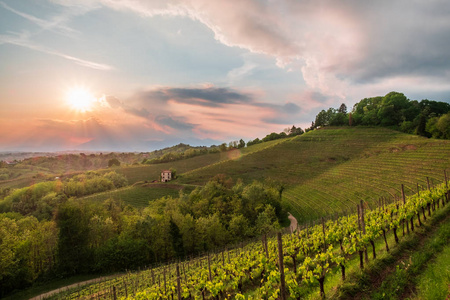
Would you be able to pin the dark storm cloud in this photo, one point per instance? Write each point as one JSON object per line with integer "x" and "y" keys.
{"x": 403, "y": 38}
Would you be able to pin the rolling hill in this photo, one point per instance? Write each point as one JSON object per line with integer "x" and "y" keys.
{"x": 327, "y": 171}
{"x": 323, "y": 171}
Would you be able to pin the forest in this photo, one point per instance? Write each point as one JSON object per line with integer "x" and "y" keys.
{"x": 47, "y": 232}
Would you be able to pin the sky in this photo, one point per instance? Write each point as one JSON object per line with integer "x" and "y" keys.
{"x": 135, "y": 75}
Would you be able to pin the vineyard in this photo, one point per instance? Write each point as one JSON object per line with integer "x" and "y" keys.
{"x": 323, "y": 170}
{"x": 290, "y": 266}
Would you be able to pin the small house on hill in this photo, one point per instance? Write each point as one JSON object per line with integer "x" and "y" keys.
{"x": 166, "y": 175}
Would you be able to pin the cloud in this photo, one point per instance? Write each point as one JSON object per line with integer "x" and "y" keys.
{"x": 336, "y": 45}
{"x": 208, "y": 112}
{"x": 23, "y": 41}
{"x": 55, "y": 25}
{"x": 176, "y": 123}
{"x": 210, "y": 96}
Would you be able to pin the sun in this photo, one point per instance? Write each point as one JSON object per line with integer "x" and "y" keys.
{"x": 80, "y": 99}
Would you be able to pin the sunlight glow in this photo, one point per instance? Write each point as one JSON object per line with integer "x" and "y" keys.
{"x": 80, "y": 99}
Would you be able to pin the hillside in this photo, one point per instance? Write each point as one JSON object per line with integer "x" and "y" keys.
{"x": 321, "y": 173}
{"x": 325, "y": 171}
{"x": 297, "y": 266}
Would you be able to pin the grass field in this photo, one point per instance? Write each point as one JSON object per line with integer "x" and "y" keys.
{"x": 434, "y": 282}
{"x": 140, "y": 195}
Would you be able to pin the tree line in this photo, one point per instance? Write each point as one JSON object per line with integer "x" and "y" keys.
{"x": 394, "y": 110}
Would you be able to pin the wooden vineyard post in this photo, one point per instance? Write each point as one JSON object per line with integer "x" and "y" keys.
{"x": 446, "y": 188}
{"x": 363, "y": 225}
{"x": 324, "y": 240}
{"x": 423, "y": 209}
{"x": 178, "y": 283}
{"x": 428, "y": 204}
{"x": 164, "y": 274}
{"x": 266, "y": 247}
{"x": 114, "y": 292}
{"x": 209, "y": 268}
{"x": 361, "y": 260}
{"x": 384, "y": 235}
{"x": 263, "y": 244}
{"x": 404, "y": 202}
{"x": 184, "y": 272}
{"x": 281, "y": 266}
{"x": 403, "y": 195}
{"x": 429, "y": 188}
{"x": 445, "y": 198}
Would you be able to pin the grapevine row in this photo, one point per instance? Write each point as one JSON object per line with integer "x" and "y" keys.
{"x": 306, "y": 257}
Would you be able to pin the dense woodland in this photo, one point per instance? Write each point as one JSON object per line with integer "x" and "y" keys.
{"x": 46, "y": 231}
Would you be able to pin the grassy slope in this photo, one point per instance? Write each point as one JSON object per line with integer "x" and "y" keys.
{"x": 151, "y": 172}
{"x": 140, "y": 193}
{"x": 434, "y": 282}
{"x": 326, "y": 171}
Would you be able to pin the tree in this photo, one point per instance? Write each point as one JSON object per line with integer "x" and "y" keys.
{"x": 223, "y": 147}
{"x": 266, "y": 221}
{"x": 239, "y": 228}
{"x": 392, "y": 110}
{"x": 73, "y": 253}
{"x": 365, "y": 112}
{"x": 431, "y": 127}
{"x": 443, "y": 125}
{"x": 254, "y": 142}
{"x": 174, "y": 173}
{"x": 113, "y": 162}
{"x": 293, "y": 131}
{"x": 176, "y": 239}
{"x": 241, "y": 144}
{"x": 342, "y": 109}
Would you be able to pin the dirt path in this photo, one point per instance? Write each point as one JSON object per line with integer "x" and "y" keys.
{"x": 78, "y": 284}
{"x": 294, "y": 223}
